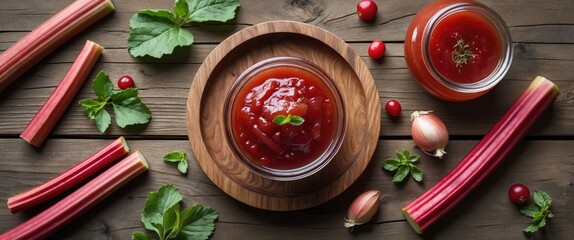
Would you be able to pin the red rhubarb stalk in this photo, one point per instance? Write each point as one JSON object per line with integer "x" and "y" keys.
{"x": 70, "y": 178}
{"x": 45, "y": 120}
{"x": 483, "y": 158}
{"x": 78, "y": 202}
{"x": 50, "y": 35}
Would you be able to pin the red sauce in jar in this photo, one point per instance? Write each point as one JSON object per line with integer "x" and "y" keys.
{"x": 432, "y": 37}
{"x": 284, "y": 90}
{"x": 461, "y": 33}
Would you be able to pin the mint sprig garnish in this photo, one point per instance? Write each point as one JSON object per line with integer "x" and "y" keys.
{"x": 289, "y": 119}
{"x": 178, "y": 158}
{"x": 162, "y": 215}
{"x": 128, "y": 107}
{"x": 158, "y": 32}
{"x": 539, "y": 211}
{"x": 403, "y": 165}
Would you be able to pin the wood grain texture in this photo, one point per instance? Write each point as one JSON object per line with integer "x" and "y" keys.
{"x": 282, "y": 39}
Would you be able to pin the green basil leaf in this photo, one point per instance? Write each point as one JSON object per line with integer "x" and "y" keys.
{"x": 129, "y": 109}
{"x": 417, "y": 174}
{"x": 181, "y": 10}
{"x": 391, "y": 165}
{"x": 281, "y": 119}
{"x": 212, "y": 10}
{"x": 155, "y": 35}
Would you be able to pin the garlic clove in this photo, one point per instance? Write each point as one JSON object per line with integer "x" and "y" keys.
{"x": 363, "y": 208}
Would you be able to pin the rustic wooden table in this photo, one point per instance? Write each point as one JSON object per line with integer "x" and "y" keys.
{"x": 543, "y": 33}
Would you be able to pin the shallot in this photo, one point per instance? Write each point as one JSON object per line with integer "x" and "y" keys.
{"x": 429, "y": 133}
{"x": 363, "y": 208}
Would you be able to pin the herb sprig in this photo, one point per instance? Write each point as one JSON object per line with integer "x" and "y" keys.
{"x": 128, "y": 107}
{"x": 162, "y": 215}
{"x": 178, "y": 158}
{"x": 289, "y": 119}
{"x": 539, "y": 211}
{"x": 462, "y": 53}
{"x": 404, "y": 164}
{"x": 155, "y": 32}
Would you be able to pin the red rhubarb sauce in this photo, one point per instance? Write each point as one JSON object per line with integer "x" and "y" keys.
{"x": 284, "y": 90}
{"x": 478, "y": 34}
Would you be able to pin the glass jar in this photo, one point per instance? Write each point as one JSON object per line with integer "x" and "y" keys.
{"x": 458, "y": 50}
{"x": 305, "y": 98}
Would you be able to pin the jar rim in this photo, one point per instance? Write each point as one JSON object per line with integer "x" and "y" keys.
{"x": 316, "y": 164}
{"x": 503, "y": 32}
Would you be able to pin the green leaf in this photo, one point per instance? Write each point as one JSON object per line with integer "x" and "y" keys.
{"x": 171, "y": 221}
{"x": 177, "y": 157}
{"x": 296, "y": 120}
{"x": 281, "y": 119}
{"x": 401, "y": 174}
{"x": 417, "y": 174}
{"x": 140, "y": 236}
{"x": 158, "y": 203}
{"x": 181, "y": 10}
{"x": 413, "y": 158}
{"x": 198, "y": 222}
{"x": 212, "y": 10}
{"x": 103, "y": 120}
{"x": 92, "y": 107}
{"x": 530, "y": 210}
{"x": 291, "y": 119}
{"x": 102, "y": 86}
{"x": 531, "y": 228}
{"x": 129, "y": 109}
{"x": 156, "y": 35}
{"x": 391, "y": 165}
{"x": 542, "y": 198}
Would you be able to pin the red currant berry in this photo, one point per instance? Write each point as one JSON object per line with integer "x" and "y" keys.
{"x": 393, "y": 108}
{"x": 126, "y": 82}
{"x": 518, "y": 193}
{"x": 367, "y": 10}
{"x": 377, "y": 49}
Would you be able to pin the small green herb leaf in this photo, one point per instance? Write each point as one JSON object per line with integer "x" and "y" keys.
{"x": 129, "y": 109}
{"x": 177, "y": 157}
{"x": 162, "y": 214}
{"x": 403, "y": 164}
{"x": 539, "y": 211}
{"x": 291, "y": 119}
{"x": 103, "y": 86}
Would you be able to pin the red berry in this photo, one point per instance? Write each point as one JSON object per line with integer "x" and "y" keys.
{"x": 518, "y": 193}
{"x": 126, "y": 82}
{"x": 367, "y": 10}
{"x": 377, "y": 49}
{"x": 393, "y": 108}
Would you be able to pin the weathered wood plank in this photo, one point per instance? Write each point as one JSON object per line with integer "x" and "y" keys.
{"x": 530, "y": 24}
{"x": 487, "y": 212}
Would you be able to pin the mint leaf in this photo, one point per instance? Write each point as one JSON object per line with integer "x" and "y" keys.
{"x": 162, "y": 215}
{"x": 212, "y": 10}
{"x": 291, "y": 119}
{"x": 181, "y": 10}
{"x": 539, "y": 211}
{"x": 403, "y": 164}
{"x": 198, "y": 222}
{"x": 129, "y": 109}
{"x": 177, "y": 157}
{"x": 157, "y": 34}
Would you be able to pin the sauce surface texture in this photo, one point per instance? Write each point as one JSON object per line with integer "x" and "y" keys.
{"x": 284, "y": 90}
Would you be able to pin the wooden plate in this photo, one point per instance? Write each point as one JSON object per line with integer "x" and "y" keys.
{"x": 206, "y": 129}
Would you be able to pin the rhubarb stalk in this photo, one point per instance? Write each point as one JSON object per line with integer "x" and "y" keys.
{"x": 483, "y": 158}
{"x": 50, "y": 35}
{"x": 45, "y": 120}
{"x": 78, "y": 202}
{"x": 70, "y": 178}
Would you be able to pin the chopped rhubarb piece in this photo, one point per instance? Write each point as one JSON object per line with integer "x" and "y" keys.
{"x": 41, "y": 125}
{"x": 70, "y": 178}
{"x": 78, "y": 202}
{"x": 50, "y": 35}
{"x": 483, "y": 158}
